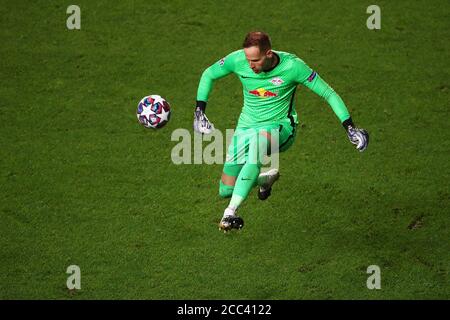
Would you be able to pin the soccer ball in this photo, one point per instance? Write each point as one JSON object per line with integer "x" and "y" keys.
{"x": 153, "y": 112}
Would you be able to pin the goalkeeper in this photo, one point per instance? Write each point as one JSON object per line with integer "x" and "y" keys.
{"x": 268, "y": 118}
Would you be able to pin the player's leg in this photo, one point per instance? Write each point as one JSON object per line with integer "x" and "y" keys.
{"x": 255, "y": 147}
{"x": 228, "y": 179}
{"x": 232, "y": 166}
{"x": 227, "y": 184}
{"x": 267, "y": 179}
{"x": 231, "y": 170}
{"x": 280, "y": 139}
{"x": 258, "y": 148}
{"x": 245, "y": 181}
{"x": 251, "y": 145}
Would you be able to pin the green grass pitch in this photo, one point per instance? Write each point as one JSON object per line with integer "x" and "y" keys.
{"x": 83, "y": 183}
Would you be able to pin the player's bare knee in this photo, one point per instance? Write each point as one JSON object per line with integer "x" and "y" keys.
{"x": 228, "y": 180}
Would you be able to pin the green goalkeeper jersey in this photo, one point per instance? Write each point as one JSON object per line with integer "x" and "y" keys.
{"x": 269, "y": 96}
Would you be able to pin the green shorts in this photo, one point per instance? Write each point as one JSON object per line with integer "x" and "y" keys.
{"x": 252, "y": 144}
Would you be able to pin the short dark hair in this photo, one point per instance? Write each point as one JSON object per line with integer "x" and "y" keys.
{"x": 259, "y": 39}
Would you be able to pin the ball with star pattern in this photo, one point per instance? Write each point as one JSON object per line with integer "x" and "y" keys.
{"x": 153, "y": 112}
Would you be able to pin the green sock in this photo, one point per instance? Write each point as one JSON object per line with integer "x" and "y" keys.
{"x": 245, "y": 181}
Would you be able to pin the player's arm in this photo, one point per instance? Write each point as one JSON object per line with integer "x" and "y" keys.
{"x": 310, "y": 79}
{"x": 216, "y": 71}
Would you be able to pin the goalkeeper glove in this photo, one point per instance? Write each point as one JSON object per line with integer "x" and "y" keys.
{"x": 358, "y": 137}
{"x": 201, "y": 122}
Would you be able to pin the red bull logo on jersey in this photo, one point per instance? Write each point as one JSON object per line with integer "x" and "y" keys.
{"x": 263, "y": 93}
